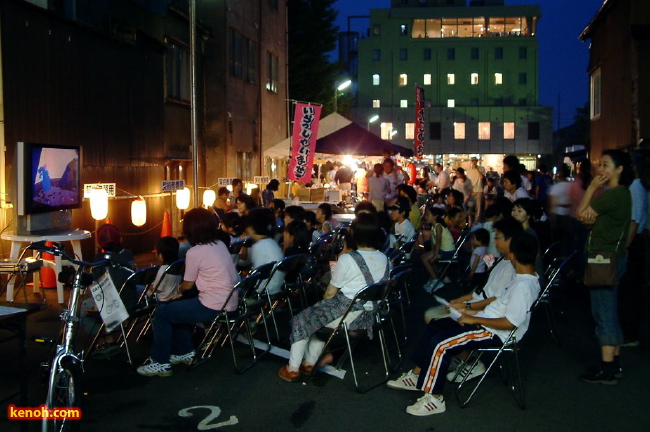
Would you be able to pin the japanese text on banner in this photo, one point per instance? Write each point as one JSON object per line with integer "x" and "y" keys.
{"x": 303, "y": 142}
{"x": 420, "y": 116}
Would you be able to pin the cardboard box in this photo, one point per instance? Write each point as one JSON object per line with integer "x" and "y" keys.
{"x": 317, "y": 195}
{"x": 303, "y": 194}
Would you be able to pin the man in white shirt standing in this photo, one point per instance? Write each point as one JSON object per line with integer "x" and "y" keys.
{"x": 443, "y": 177}
{"x": 476, "y": 174}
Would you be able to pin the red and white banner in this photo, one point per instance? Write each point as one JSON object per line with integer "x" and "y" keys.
{"x": 420, "y": 116}
{"x": 303, "y": 141}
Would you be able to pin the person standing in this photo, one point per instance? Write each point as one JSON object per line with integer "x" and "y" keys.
{"x": 609, "y": 215}
{"x": 477, "y": 175}
{"x": 343, "y": 178}
{"x": 394, "y": 178}
{"x": 378, "y": 187}
{"x": 442, "y": 181}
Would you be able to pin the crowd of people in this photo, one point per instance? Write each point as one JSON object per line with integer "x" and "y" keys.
{"x": 503, "y": 222}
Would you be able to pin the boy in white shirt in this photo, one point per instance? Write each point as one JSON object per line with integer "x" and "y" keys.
{"x": 399, "y": 213}
{"x": 445, "y": 338}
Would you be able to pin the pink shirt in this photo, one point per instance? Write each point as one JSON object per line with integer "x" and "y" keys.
{"x": 210, "y": 266}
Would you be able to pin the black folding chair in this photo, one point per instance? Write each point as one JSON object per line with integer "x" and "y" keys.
{"x": 227, "y": 325}
{"x": 377, "y": 293}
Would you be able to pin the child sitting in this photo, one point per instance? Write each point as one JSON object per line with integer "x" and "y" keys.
{"x": 399, "y": 214}
{"x": 442, "y": 245}
{"x": 488, "y": 327}
{"x": 166, "y": 287}
{"x": 478, "y": 270}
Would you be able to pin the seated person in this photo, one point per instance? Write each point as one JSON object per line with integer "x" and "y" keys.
{"x": 278, "y": 206}
{"x": 220, "y": 205}
{"x": 208, "y": 266}
{"x": 292, "y": 213}
{"x": 258, "y": 226}
{"x": 411, "y": 194}
{"x": 296, "y": 238}
{"x": 478, "y": 269}
{"x": 327, "y": 222}
{"x": 109, "y": 240}
{"x": 353, "y": 272}
{"x": 167, "y": 252}
{"x": 399, "y": 214}
{"x": 484, "y": 328}
{"x": 442, "y": 244}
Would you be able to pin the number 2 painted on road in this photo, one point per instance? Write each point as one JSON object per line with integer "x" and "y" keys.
{"x": 204, "y": 424}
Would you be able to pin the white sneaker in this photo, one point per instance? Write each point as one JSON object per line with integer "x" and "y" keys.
{"x": 428, "y": 287}
{"x": 427, "y": 405}
{"x": 455, "y": 364}
{"x": 407, "y": 381}
{"x": 478, "y": 370}
{"x": 182, "y": 358}
{"x": 152, "y": 368}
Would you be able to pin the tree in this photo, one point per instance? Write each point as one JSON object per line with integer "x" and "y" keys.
{"x": 312, "y": 35}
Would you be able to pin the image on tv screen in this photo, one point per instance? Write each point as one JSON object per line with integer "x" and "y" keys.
{"x": 55, "y": 175}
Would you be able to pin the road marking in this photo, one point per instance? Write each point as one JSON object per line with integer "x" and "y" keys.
{"x": 204, "y": 424}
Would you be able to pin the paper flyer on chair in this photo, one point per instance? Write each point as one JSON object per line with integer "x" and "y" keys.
{"x": 108, "y": 302}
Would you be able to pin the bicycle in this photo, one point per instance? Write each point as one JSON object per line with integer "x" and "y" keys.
{"x": 65, "y": 383}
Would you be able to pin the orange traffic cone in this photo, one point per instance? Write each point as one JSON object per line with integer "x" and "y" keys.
{"x": 48, "y": 277}
{"x": 166, "y": 225}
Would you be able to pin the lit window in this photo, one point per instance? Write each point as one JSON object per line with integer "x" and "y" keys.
{"x": 509, "y": 130}
{"x": 403, "y": 103}
{"x": 484, "y": 130}
{"x": 498, "y": 78}
{"x": 427, "y": 79}
{"x": 375, "y": 79}
{"x": 376, "y": 103}
{"x": 459, "y": 130}
{"x": 386, "y": 129}
{"x": 451, "y": 103}
{"x": 594, "y": 93}
{"x": 474, "y": 79}
{"x": 403, "y": 80}
{"x": 409, "y": 131}
{"x": 451, "y": 79}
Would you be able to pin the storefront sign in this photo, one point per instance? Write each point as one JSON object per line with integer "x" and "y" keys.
{"x": 420, "y": 117}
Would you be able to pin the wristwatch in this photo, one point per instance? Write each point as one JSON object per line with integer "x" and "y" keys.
{"x": 468, "y": 306}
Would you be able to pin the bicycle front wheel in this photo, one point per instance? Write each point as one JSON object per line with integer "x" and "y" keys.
{"x": 64, "y": 397}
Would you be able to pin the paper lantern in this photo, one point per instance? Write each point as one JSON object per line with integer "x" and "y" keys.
{"x": 99, "y": 203}
{"x": 183, "y": 198}
{"x": 209, "y": 196}
{"x": 139, "y": 212}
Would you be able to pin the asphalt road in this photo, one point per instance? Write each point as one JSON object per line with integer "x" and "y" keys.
{"x": 214, "y": 397}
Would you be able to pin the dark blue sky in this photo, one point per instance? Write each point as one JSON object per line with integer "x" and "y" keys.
{"x": 563, "y": 57}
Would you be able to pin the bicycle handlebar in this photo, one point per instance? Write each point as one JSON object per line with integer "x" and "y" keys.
{"x": 57, "y": 249}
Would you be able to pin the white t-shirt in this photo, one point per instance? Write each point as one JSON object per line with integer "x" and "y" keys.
{"x": 500, "y": 277}
{"x": 169, "y": 284}
{"x": 519, "y": 193}
{"x": 394, "y": 179}
{"x": 265, "y": 251}
{"x": 347, "y": 276}
{"x": 513, "y": 305}
{"x": 561, "y": 199}
{"x": 378, "y": 188}
{"x": 405, "y": 229}
{"x": 479, "y": 252}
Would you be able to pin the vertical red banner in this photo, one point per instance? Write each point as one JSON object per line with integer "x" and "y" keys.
{"x": 420, "y": 116}
{"x": 303, "y": 142}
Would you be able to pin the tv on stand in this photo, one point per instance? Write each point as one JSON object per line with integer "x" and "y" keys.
{"x": 48, "y": 187}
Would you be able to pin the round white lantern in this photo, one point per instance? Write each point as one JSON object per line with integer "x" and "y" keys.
{"x": 139, "y": 212}
{"x": 183, "y": 198}
{"x": 99, "y": 203}
{"x": 209, "y": 196}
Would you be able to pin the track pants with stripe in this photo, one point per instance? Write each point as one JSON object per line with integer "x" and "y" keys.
{"x": 442, "y": 340}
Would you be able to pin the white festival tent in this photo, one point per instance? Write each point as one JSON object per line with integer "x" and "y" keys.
{"x": 328, "y": 125}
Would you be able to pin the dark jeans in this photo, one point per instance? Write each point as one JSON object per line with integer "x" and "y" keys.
{"x": 173, "y": 324}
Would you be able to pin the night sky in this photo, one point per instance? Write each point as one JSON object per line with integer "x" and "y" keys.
{"x": 563, "y": 57}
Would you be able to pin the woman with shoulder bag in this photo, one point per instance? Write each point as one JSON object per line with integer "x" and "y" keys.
{"x": 610, "y": 215}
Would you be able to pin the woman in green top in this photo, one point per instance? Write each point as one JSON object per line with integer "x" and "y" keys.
{"x": 610, "y": 215}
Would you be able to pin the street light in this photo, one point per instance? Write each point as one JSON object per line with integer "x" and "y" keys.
{"x": 337, "y": 89}
{"x": 372, "y": 120}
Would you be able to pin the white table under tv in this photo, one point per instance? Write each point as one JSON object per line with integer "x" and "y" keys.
{"x": 73, "y": 236}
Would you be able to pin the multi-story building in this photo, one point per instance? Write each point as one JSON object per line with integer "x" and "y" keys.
{"x": 619, "y": 69}
{"x": 478, "y": 65}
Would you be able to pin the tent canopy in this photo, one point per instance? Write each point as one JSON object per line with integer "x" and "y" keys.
{"x": 327, "y": 125}
{"x": 339, "y": 136}
{"x": 356, "y": 140}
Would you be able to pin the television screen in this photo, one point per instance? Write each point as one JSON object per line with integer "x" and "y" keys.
{"x": 51, "y": 177}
